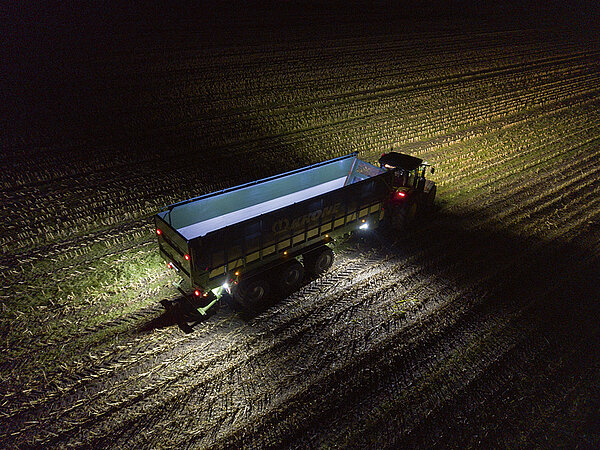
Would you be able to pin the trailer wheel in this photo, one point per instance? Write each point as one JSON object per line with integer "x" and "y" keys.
{"x": 290, "y": 277}
{"x": 318, "y": 261}
{"x": 251, "y": 292}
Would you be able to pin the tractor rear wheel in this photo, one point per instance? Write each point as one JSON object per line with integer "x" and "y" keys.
{"x": 430, "y": 198}
{"x": 319, "y": 260}
{"x": 402, "y": 217}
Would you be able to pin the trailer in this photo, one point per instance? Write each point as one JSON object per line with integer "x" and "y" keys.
{"x": 263, "y": 237}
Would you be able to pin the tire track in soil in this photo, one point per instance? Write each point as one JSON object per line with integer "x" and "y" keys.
{"x": 76, "y": 379}
{"x": 275, "y": 417}
{"x": 433, "y": 429}
{"x": 338, "y": 316}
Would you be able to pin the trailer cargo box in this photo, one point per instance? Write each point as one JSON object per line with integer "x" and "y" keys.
{"x": 222, "y": 238}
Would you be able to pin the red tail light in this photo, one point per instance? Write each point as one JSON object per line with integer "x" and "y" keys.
{"x": 401, "y": 194}
{"x": 186, "y": 257}
{"x": 197, "y": 293}
{"x": 169, "y": 265}
{"x": 158, "y": 231}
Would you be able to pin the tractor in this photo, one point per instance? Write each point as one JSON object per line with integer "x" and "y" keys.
{"x": 412, "y": 194}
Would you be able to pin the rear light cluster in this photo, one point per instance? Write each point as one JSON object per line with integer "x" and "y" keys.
{"x": 158, "y": 231}
{"x": 186, "y": 257}
{"x": 199, "y": 293}
{"x": 401, "y": 194}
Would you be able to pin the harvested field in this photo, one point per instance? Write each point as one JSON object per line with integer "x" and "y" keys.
{"x": 477, "y": 327}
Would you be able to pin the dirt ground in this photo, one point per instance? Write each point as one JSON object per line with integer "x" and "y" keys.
{"x": 476, "y": 327}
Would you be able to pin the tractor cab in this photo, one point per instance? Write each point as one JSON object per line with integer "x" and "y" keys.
{"x": 409, "y": 171}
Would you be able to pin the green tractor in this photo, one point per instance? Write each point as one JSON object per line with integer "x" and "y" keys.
{"x": 412, "y": 195}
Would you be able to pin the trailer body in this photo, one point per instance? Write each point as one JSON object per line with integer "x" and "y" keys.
{"x": 218, "y": 239}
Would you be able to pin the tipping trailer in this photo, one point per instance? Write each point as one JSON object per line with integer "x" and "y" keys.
{"x": 261, "y": 237}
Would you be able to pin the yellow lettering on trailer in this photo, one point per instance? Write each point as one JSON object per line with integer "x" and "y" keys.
{"x": 286, "y": 224}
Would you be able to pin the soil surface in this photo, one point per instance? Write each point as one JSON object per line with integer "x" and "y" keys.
{"x": 477, "y": 326}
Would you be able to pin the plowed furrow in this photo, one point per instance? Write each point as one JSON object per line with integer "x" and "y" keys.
{"x": 333, "y": 280}
{"x": 275, "y": 417}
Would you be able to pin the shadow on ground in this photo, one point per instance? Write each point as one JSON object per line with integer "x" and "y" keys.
{"x": 515, "y": 268}
{"x": 552, "y": 285}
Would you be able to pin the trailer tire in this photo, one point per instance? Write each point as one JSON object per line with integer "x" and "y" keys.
{"x": 251, "y": 292}
{"x": 318, "y": 261}
{"x": 290, "y": 277}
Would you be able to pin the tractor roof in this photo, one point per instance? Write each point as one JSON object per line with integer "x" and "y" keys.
{"x": 400, "y": 160}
